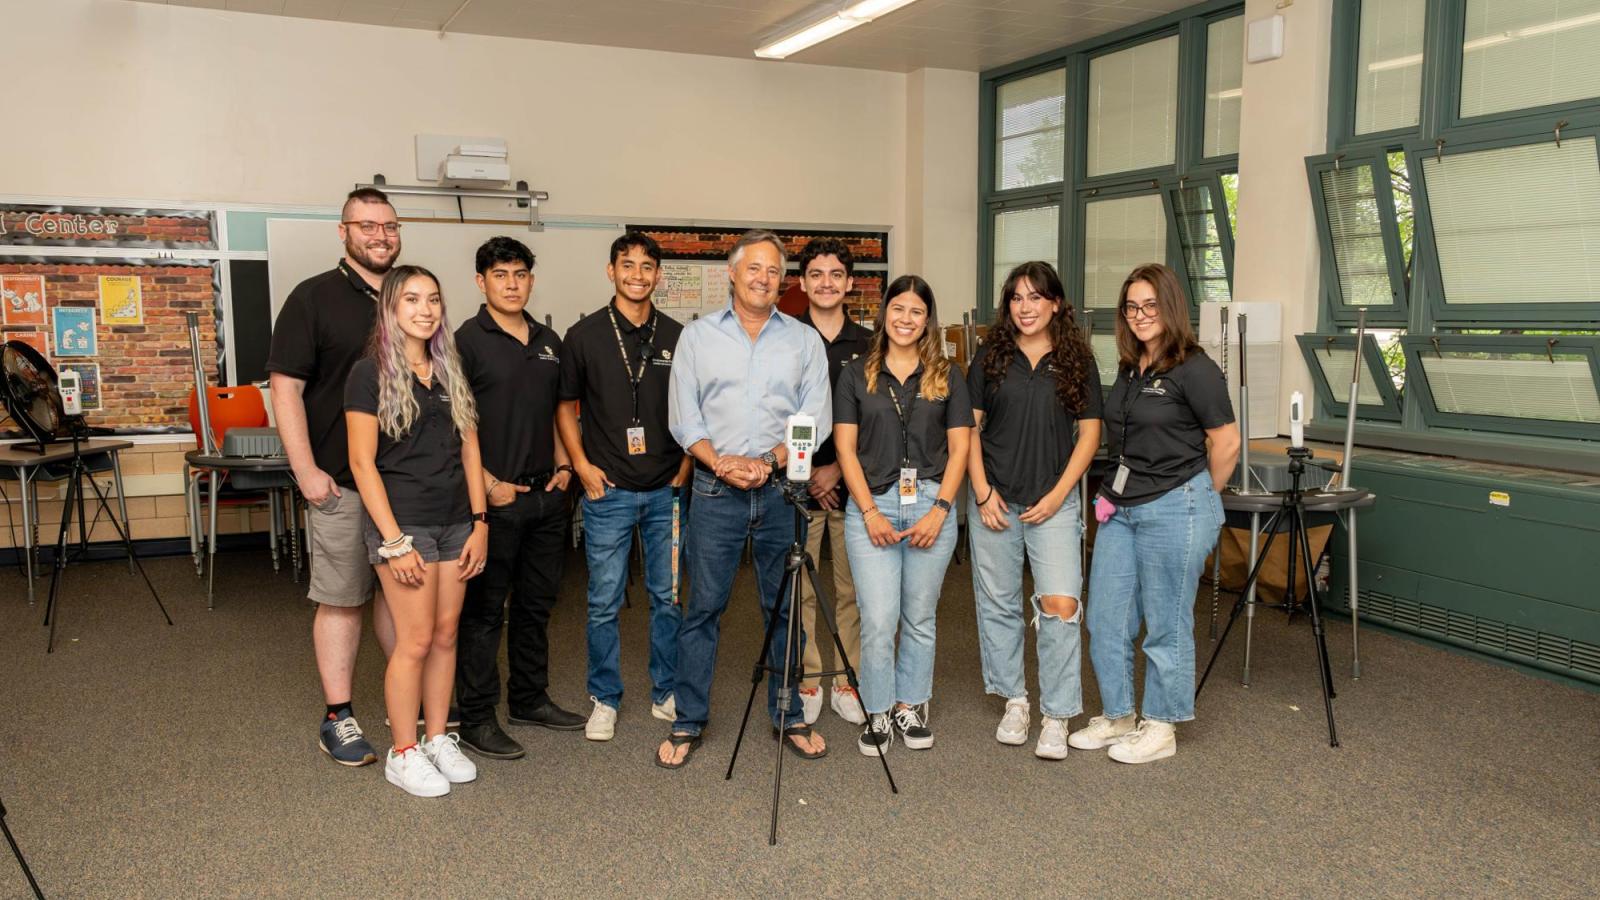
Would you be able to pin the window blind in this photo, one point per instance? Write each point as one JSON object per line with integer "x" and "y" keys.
{"x": 1119, "y": 233}
{"x": 1515, "y": 385}
{"x": 1201, "y": 244}
{"x": 1022, "y": 235}
{"x": 1224, "y": 86}
{"x": 1355, "y": 229}
{"x": 1133, "y": 107}
{"x": 1389, "y": 65}
{"x": 1521, "y": 53}
{"x": 1031, "y": 131}
{"x": 1336, "y": 364}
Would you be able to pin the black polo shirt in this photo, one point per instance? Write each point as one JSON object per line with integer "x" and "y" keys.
{"x": 1027, "y": 434}
{"x": 594, "y": 373}
{"x": 881, "y": 442}
{"x": 320, "y": 333}
{"x": 1156, "y": 425}
{"x": 852, "y": 342}
{"x": 421, "y": 470}
{"x": 516, "y": 387}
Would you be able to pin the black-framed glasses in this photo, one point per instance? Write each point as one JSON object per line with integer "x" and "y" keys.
{"x": 371, "y": 228}
{"x": 1134, "y": 310}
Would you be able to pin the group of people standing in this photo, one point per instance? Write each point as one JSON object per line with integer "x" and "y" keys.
{"x": 439, "y": 465}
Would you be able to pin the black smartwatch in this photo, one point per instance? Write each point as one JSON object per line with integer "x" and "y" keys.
{"x": 480, "y": 517}
{"x": 942, "y": 503}
{"x": 771, "y": 459}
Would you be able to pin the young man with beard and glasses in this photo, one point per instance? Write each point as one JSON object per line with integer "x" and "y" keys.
{"x": 615, "y": 368}
{"x": 826, "y": 275}
{"x": 738, "y": 376}
{"x": 514, "y": 366}
{"x": 320, "y": 333}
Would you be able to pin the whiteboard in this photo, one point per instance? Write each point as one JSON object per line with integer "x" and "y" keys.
{"x": 569, "y": 269}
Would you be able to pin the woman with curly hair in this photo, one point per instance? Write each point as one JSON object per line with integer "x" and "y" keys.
{"x": 901, "y": 424}
{"x": 1036, "y": 397}
{"x": 413, "y": 428}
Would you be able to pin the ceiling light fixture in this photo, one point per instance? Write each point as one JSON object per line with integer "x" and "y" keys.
{"x": 859, "y": 13}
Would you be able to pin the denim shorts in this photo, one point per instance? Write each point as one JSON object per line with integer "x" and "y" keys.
{"x": 434, "y": 542}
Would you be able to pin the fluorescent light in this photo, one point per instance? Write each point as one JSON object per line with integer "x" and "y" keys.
{"x": 859, "y": 13}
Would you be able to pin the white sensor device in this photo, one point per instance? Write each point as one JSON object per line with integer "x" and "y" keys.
{"x": 800, "y": 436}
{"x": 71, "y": 393}
{"x": 1297, "y": 419}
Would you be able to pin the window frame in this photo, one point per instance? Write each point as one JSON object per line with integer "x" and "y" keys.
{"x": 1332, "y": 402}
{"x": 1418, "y": 386}
{"x": 1219, "y": 217}
{"x": 1337, "y": 310}
{"x": 986, "y": 233}
{"x": 1149, "y": 187}
{"x": 1452, "y": 21}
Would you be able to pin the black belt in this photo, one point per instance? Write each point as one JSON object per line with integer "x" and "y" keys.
{"x": 533, "y": 481}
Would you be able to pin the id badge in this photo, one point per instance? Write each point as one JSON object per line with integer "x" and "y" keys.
{"x": 636, "y": 440}
{"x": 1120, "y": 480}
{"x": 908, "y": 486}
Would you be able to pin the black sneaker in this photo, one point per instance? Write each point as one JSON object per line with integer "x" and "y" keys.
{"x": 877, "y": 736}
{"x": 914, "y": 733}
{"x": 489, "y": 740}
{"x": 549, "y": 716}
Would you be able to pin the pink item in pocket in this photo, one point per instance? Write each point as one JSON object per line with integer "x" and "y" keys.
{"x": 1103, "y": 510}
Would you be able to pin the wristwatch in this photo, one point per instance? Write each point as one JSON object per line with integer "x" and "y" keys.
{"x": 942, "y": 503}
{"x": 480, "y": 517}
{"x": 771, "y": 459}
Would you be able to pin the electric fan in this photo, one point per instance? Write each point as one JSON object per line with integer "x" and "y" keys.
{"x": 30, "y": 392}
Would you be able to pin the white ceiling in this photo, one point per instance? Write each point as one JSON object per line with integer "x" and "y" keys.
{"x": 948, "y": 34}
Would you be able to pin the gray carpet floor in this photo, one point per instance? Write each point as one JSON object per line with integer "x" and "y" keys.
{"x": 147, "y": 761}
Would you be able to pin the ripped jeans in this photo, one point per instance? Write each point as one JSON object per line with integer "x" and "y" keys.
{"x": 1054, "y": 553}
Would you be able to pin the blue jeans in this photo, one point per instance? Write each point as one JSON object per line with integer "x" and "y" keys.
{"x": 1147, "y": 562}
{"x": 720, "y": 518}
{"x": 897, "y": 586}
{"x": 608, "y": 525}
{"x": 1053, "y": 553}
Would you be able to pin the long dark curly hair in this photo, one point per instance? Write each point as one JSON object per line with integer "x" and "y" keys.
{"x": 1069, "y": 349}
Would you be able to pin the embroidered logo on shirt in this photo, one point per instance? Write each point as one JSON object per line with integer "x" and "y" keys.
{"x": 665, "y": 359}
{"x": 549, "y": 355}
{"x": 1155, "y": 388}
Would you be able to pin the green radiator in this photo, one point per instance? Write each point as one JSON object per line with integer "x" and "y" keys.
{"x": 1501, "y": 560}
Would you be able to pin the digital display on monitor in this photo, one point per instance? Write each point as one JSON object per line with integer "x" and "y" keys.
{"x": 800, "y": 433}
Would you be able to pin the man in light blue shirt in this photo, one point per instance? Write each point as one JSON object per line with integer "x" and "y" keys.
{"x": 737, "y": 376}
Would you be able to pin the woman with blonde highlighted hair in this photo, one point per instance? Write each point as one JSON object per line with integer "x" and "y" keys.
{"x": 413, "y": 429}
{"x": 901, "y": 422}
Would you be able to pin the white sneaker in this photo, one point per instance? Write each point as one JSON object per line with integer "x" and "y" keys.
{"x": 414, "y": 773}
{"x": 1052, "y": 739}
{"x": 1102, "y": 732}
{"x": 1013, "y": 728}
{"x": 811, "y": 704}
{"x": 1152, "y": 741}
{"x": 602, "y": 725}
{"x": 666, "y": 711}
{"x": 846, "y": 704}
{"x": 444, "y": 751}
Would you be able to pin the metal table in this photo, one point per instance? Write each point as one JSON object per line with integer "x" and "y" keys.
{"x": 24, "y": 465}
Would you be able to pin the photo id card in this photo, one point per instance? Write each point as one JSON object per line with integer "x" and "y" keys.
{"x": 1120, "y": 480}
{"x": 908, "y": 486}
{"x": 636, "y": 440}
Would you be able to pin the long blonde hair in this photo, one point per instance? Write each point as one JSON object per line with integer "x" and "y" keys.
{"x": 397, "y": 407}
{"x": 935, "y": 383}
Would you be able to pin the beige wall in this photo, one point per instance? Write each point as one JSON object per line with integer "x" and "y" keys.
{"x": 1283, "y": 120}
{"x": 942, "y": 186}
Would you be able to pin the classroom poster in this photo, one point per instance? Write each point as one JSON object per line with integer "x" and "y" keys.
{"x": 75, "y": 331}
{"x": 34, "y": 339}
{"x": 22, "y": 297}
{"x": 121, "y": 300}
{"x": 88, "y": 383}
{"x": 680, "y": 286}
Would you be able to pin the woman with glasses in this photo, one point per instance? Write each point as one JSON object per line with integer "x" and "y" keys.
{"x": 1036, "y": 396}
{"x": 1173, "y": 445}
{"x": 901, "y": 423}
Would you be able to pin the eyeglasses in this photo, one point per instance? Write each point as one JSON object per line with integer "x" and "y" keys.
{"x": 1135, "y": 310}
{"x": 371, "y": 228}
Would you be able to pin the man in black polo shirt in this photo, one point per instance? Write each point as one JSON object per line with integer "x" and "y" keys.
{"x": 514, "y": 365}
{"x": 320, "y": 333}
{"x": 615, "y": 368}
{"x": 827, "y": 272}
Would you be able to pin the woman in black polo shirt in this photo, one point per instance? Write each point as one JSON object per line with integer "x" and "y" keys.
{"x": 900, "y": 416}
{"x": 1036, "y": 393}
{"x": 1173, "y": 445}
{"x": 414, "y": 453}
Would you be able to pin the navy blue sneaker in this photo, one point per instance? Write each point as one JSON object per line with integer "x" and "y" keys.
{"x": 342, "y": 740}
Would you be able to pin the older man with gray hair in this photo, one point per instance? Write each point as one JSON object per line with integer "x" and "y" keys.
{"x": 738, "y": 376}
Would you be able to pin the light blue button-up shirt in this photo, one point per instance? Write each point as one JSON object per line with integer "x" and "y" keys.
{"x": 739, "y": 393}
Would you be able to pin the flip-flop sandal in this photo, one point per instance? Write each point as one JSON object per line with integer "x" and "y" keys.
{"x": 797, "y": 731}
{"x": 692, "y": 741}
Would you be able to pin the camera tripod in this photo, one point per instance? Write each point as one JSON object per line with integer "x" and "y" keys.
{"x": 76, "y": 475}
{"x": 797, "y": 565}
{"x": 1290, "y": 509}
{"x": 17, "y": 852}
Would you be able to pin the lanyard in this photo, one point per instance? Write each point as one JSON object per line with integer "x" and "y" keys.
{"x": 1129, "y": 400}
{"x": 646, "y": 345}
{"x": 905, "y": 418}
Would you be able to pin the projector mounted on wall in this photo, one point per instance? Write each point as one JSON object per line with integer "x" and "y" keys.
{"x": 464, "y": 162}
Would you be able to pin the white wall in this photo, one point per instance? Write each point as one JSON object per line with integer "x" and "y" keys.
{"x": 942, "y": 186}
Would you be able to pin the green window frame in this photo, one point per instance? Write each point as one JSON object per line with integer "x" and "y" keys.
{"x": 1571, "y": 351}
{"x": 1334, "y": 223}
{"x": 1334, "y": 396}
{"x": 1103, "y": 300}
{"x": 1206, "y": 265}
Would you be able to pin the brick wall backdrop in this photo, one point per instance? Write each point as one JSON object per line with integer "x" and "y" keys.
{"x": 26, "y": 224}
{"x": 145, "y": 370}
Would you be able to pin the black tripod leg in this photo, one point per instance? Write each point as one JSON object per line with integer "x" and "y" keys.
{"x": 1321, "y": 639}
{"x": 756, "y": 673}
{"x": 127, "y": 545}
{"x": 1239, "y": 604}
{"x": 791, "y": 668}
{"x": 17, "y": 852}
{"x": 826, "y": 608}
{"x": 50, "y": 613}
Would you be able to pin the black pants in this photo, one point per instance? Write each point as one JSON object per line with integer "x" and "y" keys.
{"x": 527, "y": 544}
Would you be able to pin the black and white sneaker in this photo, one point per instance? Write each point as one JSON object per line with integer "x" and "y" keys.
{"x": 877, "y": 736}
{"x": 914, "y": 733}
